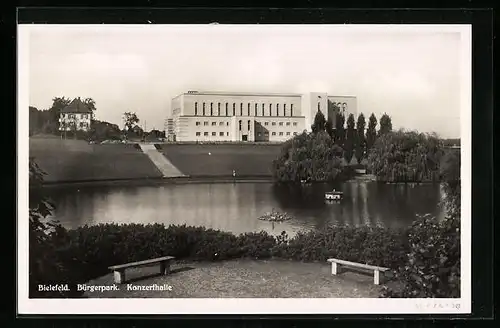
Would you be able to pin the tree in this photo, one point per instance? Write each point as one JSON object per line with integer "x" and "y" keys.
{"x": 450, "y": 175}
{"x": 406, "y": 157}
{"x": 329, "y": 127}
{"x": 339, "y": 129}
{"x": 371, "y": 132}
{"x": 350, "y": 141}
{"x": 385, "y": 125}
{"x": 44, "y": 266}
{"x": 360, "y": 138}
{"x": 130, "y": 120}
{"x": 319, "y": 122}
{"x": 311, "y": 157}
{"x": 91, "y": 104}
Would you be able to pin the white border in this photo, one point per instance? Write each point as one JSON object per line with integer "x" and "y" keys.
{"x": 247, "y": 306}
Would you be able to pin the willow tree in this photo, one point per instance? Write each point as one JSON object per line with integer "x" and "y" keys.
{"x": 312, "y": 157}
{"x": 406, "y": 157}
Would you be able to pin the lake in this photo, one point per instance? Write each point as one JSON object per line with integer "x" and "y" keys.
{"x": 236, "y": 207}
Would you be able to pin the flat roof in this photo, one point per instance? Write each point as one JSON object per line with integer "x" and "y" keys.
{"x": 341, "y": 96}
{"x": 239, "y": 93}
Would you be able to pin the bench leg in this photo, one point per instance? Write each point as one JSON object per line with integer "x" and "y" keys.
{"x": 119, "y": 277}
{"x": 376, "y": 277}
{"x": 335, "y": 268}
{"x": 164, "y": 268}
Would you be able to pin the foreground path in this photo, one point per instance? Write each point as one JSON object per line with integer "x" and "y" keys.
{"x": 242, "y": 278}
{"x": 162, "y": 163}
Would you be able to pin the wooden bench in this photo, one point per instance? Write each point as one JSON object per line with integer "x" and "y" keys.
{"x": 337, "y": 265}
{"x": 119, "y": 270}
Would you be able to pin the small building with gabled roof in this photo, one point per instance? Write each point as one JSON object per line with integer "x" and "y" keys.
{"x": 76, "y": 116}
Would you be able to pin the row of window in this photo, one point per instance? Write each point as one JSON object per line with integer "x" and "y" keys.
{"x": 265, "y": 123}
{"x": 73, "y": 116}
{"x": 256, "y": 110}
{"x": 259, "y": 134}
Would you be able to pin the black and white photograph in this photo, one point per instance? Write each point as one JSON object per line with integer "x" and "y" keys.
{"x": 251, "y": 168}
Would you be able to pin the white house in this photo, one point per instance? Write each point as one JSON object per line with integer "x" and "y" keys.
{"x": 76, "y": 116}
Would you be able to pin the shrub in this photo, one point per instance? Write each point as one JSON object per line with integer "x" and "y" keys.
{"x": 432, "y": 265}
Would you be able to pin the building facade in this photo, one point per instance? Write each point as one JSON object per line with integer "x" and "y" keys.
{"x": 169, "y": 129}
{"x": 77, "y": 116}
{"x": 237, "y": 116}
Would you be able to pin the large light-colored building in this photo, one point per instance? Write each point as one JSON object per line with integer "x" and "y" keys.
{"x": 239, "y": 116}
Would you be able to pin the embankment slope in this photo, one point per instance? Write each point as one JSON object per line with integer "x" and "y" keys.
{"x": 209, "y": 160}
{"x": 77, "y": 161}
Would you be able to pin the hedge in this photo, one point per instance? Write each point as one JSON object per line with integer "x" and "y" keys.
{"x": 424, "y": 257}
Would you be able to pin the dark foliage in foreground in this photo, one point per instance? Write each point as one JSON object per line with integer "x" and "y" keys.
{"x": 88, "y": 251}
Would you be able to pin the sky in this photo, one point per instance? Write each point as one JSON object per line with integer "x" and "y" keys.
{"x": 412, "y": 75}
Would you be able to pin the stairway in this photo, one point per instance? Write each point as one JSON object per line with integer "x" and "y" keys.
{"x": 162, "y": 163}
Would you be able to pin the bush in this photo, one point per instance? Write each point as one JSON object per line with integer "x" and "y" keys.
{"x": 432, "y": 265}
{"x": 86, "y": 253}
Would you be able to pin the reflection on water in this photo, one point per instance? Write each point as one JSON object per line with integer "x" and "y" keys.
{"x": 235, "y": 207}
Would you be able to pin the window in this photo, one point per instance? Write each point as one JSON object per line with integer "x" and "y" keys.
{"x": 240, "y": 124}
{"x": 221, "y": 134}
{"x": 294, "y": 123}
{"x": 218, "y": 109}
{"x": 266, "y": 134}
{"x": 227, "y": 114}
{"x": 274, "y": 123}
{"x": 291, "y": 110}
{"x": 211, "y": 109}
{"x": 241, "y": 109}
{"x": 318, "y": 105}
{"x": 234, "y": 109}
{"x": 288, "y": 133}
{"x": 277, "y": 109}
{"x": 221, "y": 123}
{"x": 214, "y": 133}
{"x": 205, "y": 133}
{"x": 205, "y": 123}
{"x": 227, "y": 133}
{"x": 274, "y": 133}
{"x": 198, "y": 134}
{"x": 196, "y": 109}
{"x": 227, "y": 123}
{"x": 281, "y": 133}
{"x": 266, "y": 123}
{"x": 281, "y": 123}
{"x": 214, "y": 123}
{"x": 255, "y": 109}
{"x": 203, "y": 109}
{"x": 248, "y": 125}
{"x": 287, "y": 123}
{"x": 270, "y": 108}
{"x": 198, "y": 123}
{"x": 248, "y": 109}
{"x": 262, "y": 109}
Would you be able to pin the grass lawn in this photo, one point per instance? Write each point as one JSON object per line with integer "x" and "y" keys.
{"x": 76, "y": 160}
{"x": 246, "y": 160}
{"x": 243, "y": 278}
